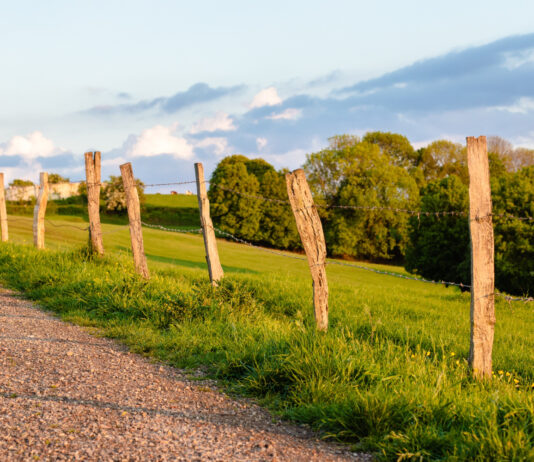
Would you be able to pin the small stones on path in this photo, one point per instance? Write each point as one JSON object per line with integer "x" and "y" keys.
{"x": 65, "y": 395}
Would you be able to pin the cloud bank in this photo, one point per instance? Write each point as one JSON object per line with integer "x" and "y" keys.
{"x": 486, "y": 89}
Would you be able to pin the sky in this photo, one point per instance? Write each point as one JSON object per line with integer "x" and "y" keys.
{"x": 164, "y": 84}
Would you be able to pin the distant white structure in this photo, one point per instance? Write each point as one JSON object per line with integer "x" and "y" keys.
{"x": 56, "y": 191}
{"x": 188, "y": 193}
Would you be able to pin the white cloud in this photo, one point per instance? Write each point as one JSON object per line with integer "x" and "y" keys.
{"x": 220, "y": 145}
{"x": 288, "y": 114}
{"x": 522, "y": 106}
{"x": 221, "y": 121}
{"x": 29, "y": 147}
{"x": 261, "y": 143}
{"x": 266, "y": 97}
{"x": 161, "y": 140}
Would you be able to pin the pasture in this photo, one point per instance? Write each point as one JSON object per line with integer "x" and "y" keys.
{"x": 390, "y": 375}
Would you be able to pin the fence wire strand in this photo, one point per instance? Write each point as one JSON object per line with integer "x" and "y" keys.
{"x": 228, "y": 235}
{"x": 417, "y": 213}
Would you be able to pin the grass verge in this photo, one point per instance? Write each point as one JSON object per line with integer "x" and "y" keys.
{"x": 375, "y": 380}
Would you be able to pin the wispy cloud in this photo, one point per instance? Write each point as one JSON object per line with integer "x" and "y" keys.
{"x": 196, "y": 94}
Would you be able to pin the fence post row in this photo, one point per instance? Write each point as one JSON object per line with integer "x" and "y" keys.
{"x": 3, "y": 211}
{"x": 210, "y": 243}
{"x": 312, "y": 237}
{"x": 134, "y": 217}
{"x": 92, "y": 176}
{"x": 482, "y": 258}
{"x": 39, "y": 212}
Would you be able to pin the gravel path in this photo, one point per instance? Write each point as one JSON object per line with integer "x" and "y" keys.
{"x": 66, "y": 395}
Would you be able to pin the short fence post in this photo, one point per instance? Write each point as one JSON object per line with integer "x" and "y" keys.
{"x": 92, "y": 176}
{"x": 210, "y": 243}
{"x": 39, "y": 212}
{"x": 312, "y": 237}
{"x": 134, "y": 217}
{"x": 482, "y": 258}
{"x": 3, "y": 211}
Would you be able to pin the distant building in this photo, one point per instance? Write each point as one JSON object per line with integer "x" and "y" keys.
{"x": 188, "y": 193}
{"x": 56, "y": 191}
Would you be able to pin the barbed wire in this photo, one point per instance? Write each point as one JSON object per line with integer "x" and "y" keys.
{"x": 174, "y": 230}
{"x": 417, "y": 213}
{"x": 169, "y": 184}
{"x": 66, "y": 226}
{"x": 113, "y": 231}
{"x": 263, "y": 249}
{"x": 252, "y": 196}
{"x": 373, "y": 270}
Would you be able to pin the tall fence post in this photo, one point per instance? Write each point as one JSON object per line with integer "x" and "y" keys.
{"x": 482, "y": 258}
{"x": 312, "y": 237}
{"x": 3, "y": 211}
{"x": 92, "y": 176}
{"x": 134, "y": 217}
{"x": 39, "y": 212}
{"x": 210, "y": 243}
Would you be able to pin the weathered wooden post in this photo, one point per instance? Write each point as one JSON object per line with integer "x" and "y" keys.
{"x": 482, "y": 258}
{"x": 92, "y": 176}
{"x": 134, "y": 217}
{"x": 39, "y": 212}
{"x": 3, "y": 211}
{"x": 210, "y": 244}
{"x": 312, "y": 237}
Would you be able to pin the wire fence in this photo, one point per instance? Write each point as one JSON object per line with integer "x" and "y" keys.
{"x": 417, "y": 213}
{"x": 225, "y": 234}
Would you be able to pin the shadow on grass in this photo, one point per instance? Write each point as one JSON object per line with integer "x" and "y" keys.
{"x": 193, "y": 264}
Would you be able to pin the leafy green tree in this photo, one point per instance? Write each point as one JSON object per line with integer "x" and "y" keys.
{"x": 442, "y": 158}
{"x": 277, "y": 223}
{"x": 19, "y": 182}
{"x": 238, "y": 214}
{"x": 439, "y": 246}
{"x": 115, "y": 197}
{"x": 394, "y": 145}
{"x": 513, "y": 194}
{"x": 325, "y": 170}
{"x": 376, "y": 187}
{"x": 245, "y": 215}
{"x": 54, "y": 178}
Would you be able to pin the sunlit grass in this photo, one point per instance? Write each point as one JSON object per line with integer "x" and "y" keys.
{"x": 390, "y": 375}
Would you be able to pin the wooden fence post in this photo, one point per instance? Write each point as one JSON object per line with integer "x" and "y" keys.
{"x": 92, "y": 176}
{"x": 39, "y": 212}
{"x": 210, "y": 243}
{"x": 312, "y": 237}
{"x": 3, "y": 211}
{"x": 134, "y": 217}
{"x": 482, "y": 258}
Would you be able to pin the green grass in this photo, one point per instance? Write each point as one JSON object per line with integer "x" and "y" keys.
{"x": 178, "y": 210}
{"x": 390, "y": 376}
{"x": 174, "y": 200}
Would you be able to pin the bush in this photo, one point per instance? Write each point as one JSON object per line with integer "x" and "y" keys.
{"x": 115, "y": 197}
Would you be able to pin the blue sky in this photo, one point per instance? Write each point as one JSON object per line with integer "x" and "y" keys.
{"x": 164, "y": 84}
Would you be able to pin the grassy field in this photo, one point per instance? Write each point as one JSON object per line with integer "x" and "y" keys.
{"x": 390, "y": 376}
{"x": 178, "y": 210}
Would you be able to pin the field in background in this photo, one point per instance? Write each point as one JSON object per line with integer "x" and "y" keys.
{"x": 390, "y": 374}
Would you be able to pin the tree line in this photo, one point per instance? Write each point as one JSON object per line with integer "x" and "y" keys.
{"x": 379, "y": 175}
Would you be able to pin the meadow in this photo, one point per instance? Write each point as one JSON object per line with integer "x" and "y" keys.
{"x": 390, "y": 376}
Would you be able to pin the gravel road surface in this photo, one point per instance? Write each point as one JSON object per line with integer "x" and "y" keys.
{"x": 67, "y": 395}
